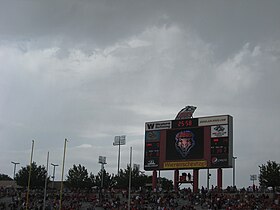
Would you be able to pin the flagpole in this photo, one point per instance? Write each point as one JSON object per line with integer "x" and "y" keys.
{"x": 62, "y": 174}
{"x": 29, "y": 176}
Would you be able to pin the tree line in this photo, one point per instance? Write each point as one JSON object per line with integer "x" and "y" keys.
{"x": 78, "y": 178}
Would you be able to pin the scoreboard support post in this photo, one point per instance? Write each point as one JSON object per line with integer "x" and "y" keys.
{"x": 219, "y": 178}
{"x": 176, "y": 178}
{"x": 195, "y": 180}
{"x": 154, "y": 181}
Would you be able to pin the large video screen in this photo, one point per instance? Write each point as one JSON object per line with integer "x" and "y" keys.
{"x": 185, "y": 144}
{"x": 204, "y": 142}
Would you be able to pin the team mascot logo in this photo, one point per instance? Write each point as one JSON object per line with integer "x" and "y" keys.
{"x": 184, "y": 142}
{"x": 186, "y": 113}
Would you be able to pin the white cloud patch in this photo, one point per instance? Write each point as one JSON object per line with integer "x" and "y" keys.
{"x": 85, "y": 146}
{"x": 241, "y": 71}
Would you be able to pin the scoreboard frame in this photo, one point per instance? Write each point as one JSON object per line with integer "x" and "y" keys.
{"x": 208, "y": 143}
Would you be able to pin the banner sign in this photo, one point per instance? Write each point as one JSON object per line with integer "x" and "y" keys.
{"x": 217, "y": 120}
{"x": 185, "y": 164}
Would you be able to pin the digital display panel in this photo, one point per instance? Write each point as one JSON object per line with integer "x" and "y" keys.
{"x": 219, "y": 146}
{"x": 185, "y": 123}
{"x": 152, "y": 149}
{"x": 184, "y": 144}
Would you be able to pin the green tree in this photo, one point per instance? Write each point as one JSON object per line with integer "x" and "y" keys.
{"x": 78, "y": 177}
{"x": 92, "y": 179}
{"x": 270, "y": 175}
{"x": 123, "y": 178}
{"x": 5, "y": 177}
{"x": 37, "y": 178}
{"x": 165, "y": 183}
{"x": 108, "y": 180}
{"x": 138, "y": 178}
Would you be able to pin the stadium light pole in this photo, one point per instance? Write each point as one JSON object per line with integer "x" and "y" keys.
{"x": 54, "y": 165}
{"x": 129, "y": 181}
{"x": 62, "y": 174}
{"x": 118, "y": 141}
{"x": 102, "y": 161}
{"x": 233, "y": 171}
{"x": 29, "y": 175}
{"x": 15, "y": 165}
{"x": 46, "y": 182}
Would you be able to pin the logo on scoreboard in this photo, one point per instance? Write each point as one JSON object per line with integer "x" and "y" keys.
{"x": 160, "y": 125}
{"x": 184, "y": 142}
{"x": 219, "y": 161}
{"x": 186, "y": 113}
{"x": 219, "y": 131}
{"x": 151, "y": 163}
{"x": 152, "y": 136}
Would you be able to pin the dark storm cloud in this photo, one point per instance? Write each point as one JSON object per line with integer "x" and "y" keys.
{"x": 100, "y": 23}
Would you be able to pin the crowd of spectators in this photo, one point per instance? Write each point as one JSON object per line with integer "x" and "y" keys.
{"x": 231, "y": 198}
{"x": 228, "y": 199}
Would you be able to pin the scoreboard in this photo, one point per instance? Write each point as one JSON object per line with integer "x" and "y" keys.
{"x": 205, "y": 142}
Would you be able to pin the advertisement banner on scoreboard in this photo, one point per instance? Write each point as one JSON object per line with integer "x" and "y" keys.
{"x": 219, "y": 131}
{"x": 215, "y": 120}
{"x": 219, "y": 161}
{"x": 185, "y": 164}
{"x": 159, "y": 125}
{"x": 151, "y": 163}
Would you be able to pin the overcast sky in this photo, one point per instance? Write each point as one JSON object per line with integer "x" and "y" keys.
{"x": 90, "y": 70}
